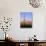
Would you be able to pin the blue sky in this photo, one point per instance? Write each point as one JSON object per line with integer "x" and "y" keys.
{"x": 26, "y": 15}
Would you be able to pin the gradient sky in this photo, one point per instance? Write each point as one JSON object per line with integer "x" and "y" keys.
{"x": 26, "y": 15}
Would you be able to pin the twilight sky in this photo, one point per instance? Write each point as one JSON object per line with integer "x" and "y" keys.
{"x": 26, "y": 15}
